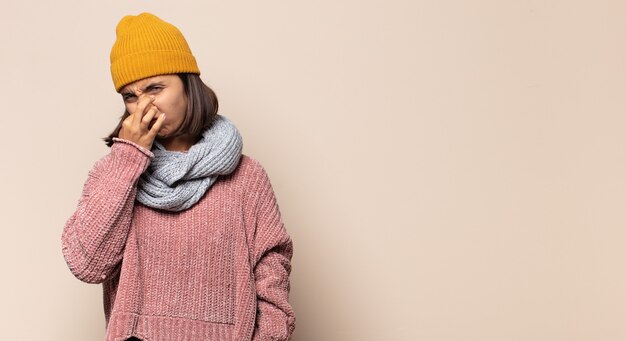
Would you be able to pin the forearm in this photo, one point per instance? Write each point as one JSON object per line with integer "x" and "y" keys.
{"x": 275, "y": 316}
{"x": 273, "y": 250}
{"x": 94, "y": 236}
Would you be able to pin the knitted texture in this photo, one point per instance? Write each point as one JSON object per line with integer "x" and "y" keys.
{"x": 147, "y": 46}
{"x": 175, "y": 181}
{"x": 217, "y": 271}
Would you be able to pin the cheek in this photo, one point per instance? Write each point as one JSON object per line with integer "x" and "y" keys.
{"x": 165, "y": 104}
{"x": 173, "y": 106}
{"x": 178, "y": 110}
{"x": 181, "y": 104}
{"x": 183, "y": 110}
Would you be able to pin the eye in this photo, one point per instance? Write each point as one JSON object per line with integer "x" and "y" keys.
{"x": 154, "y": 88}
{"x": 127, "y": 97}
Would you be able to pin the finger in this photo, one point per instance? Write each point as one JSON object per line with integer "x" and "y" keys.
{"x": 149, "y": 116}
{"x": 142, "y": 105}
{"x": 126, "y": 124}
{"x": 156, "y": 126}
{"x": 128, "y": 120}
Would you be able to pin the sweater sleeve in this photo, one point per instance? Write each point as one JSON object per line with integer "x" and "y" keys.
{"x": 273, "y": 250}
{"x": 94, "y": 236}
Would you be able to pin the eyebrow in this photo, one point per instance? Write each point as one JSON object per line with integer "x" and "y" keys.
{"x": 126, "y": 92}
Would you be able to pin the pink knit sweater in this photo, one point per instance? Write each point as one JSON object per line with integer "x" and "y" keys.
{"x": 217, "y": 271}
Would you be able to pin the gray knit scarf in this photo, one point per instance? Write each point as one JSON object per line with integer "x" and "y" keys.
{"x": 175, "y": 181}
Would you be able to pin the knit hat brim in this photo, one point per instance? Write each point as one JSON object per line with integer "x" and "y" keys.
{"x": 149, "y": 64}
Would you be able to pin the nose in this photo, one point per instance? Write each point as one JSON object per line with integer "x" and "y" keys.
{"x": 145, "y": 97}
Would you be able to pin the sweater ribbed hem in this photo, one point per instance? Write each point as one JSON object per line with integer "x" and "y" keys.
{"x": 161, "y": 328}
{"x": 149, "y": 153}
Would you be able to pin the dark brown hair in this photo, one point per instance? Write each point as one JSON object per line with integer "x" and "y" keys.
{"x": 202, "y": 106}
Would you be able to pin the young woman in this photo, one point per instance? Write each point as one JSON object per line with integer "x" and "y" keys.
{"x": 182, "y": 230}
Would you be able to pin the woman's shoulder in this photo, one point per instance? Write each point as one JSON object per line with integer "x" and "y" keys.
{"x": 247, "y": 177}
{"x": 248, "y": 161}
{"x": 249, "y": 169}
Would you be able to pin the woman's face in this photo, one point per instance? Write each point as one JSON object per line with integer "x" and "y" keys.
{"x": 169, "y": 98}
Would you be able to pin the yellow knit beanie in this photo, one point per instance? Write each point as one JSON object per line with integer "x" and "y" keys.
{"x": 147, "y": 46}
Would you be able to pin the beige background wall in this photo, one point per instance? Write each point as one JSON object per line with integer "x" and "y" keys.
{"x": 448, "y": 170}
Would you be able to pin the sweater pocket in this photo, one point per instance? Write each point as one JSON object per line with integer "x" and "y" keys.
{"x": 188, "y": 263}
